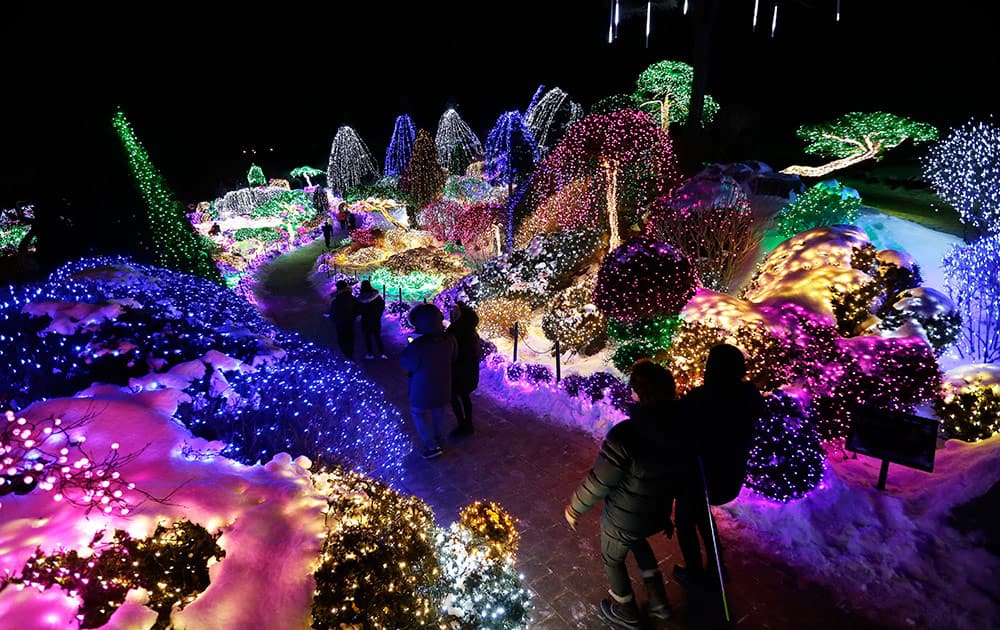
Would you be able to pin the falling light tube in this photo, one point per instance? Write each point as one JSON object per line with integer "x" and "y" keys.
{"x": 649, "y": 9}
{"x": 774, "y": 19}
{"x": 756, "y": 7}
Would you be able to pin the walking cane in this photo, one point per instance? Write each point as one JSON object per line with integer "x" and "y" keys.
{"x": 715, "y": 542}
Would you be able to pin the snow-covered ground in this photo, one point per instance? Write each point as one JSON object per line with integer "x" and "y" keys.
{"x": 892, "y": 553}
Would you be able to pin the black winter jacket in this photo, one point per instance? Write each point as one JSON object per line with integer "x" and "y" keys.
{"x": 371, "y": 305}
{"x": 636, "y": 471}
{"x": 720, "y": 423}
{"x": 465, "y": 372}
{"x": 344, "y": 309}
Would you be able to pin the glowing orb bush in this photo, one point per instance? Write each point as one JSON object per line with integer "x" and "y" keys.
{"x": 497, "y": 317}
{"x": 787, "y": 460}
{"x": 643, "y": 278}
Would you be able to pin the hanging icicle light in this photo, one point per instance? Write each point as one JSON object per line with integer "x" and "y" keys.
{"x": 685, "y": 7}
{"x": 756, "y": 8}
{"x": 610, "y": 35}
{"x": 649, "y": 9}
{"x": 618, "y": 15}
{"x": 838, "y": 10}
{"x": 774, "y": 19}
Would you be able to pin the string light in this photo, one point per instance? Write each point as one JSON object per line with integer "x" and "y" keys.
{"x": 787, "y": 460}
{"x": 573, "y": 319}
{"x": 424, "y": 178}
{"x": 351, "y": 162}
{"x": 667, "y": 85}
{"x": 550, "y": 116}
{"x": 307, "y": 173}
{"x": 856, "y": 137}
{"x": 400, "y": 146}
{"x": 174, "y": 243}
{"x": 457, "y": 146}
{"x": 964, "y": 170}
{"x": 973, "y": 283}
{"x": 969, "y": 406}
{"x": 624, "y": 146}
{"x": 171, "y": 566}
{"x": 827, "y": 203}
{"x": 255, "y": 176}
{"x": 643, "y": 278}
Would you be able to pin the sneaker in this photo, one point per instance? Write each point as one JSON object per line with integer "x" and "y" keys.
{"x": 369, "y": 356}
{"x": 462, "y": 431}
{"x": 620, "y": 615}
{"x": 431, "y": 453}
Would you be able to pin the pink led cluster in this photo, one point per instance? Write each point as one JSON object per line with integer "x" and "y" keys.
{"x": 48, "y": 455}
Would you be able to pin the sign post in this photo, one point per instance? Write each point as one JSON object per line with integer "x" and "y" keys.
{"x": 894, "y": 437}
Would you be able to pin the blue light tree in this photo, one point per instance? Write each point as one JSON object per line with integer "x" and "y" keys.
{"x": 404, "y": 132}
{"x": 511, "y": 153}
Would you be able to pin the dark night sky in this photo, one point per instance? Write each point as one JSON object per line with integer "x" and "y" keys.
{"x": 201, "y": 85}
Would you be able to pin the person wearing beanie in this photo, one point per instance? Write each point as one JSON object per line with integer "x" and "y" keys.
{"x": 636, "y": 475}
{"x": 428, "y": 361}
{"x": 371, "y": 306}
{"x": 343, "y": 312}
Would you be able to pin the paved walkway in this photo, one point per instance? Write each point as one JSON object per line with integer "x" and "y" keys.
{"x": 531, "y": 467}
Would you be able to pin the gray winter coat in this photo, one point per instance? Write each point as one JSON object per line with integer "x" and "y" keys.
{"x": 428, "y": 361}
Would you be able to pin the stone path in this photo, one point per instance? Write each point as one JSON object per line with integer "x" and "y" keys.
{"x": 531, "y": 467}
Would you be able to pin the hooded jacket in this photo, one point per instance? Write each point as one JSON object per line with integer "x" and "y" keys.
{"x": 465, "y": 374}
{"x": 371, "y": 305}
{"x": 344, "y": 308}
{"x": 636, "y": 471}
{"x": 428, "y": 359}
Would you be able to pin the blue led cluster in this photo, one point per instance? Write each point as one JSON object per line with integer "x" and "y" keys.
{"x": 310, "y": 402}
{"x": 404, "y": 133}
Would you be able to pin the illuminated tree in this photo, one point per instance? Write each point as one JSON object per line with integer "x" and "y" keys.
{"x": 644, "y": 278}
{"x": 629, "y": 153}
{"x": 612, "y": 104}
{"x": 973, "y": 280}
{"x": 255, "y": 176}
{"x": 424, "y": 178}
{"x": 457, "y": 146}
{"x": 718, "y": 240}
{"x": 511, "y": 153}
{"x": 321, "y": 202}
{"x": 175, "y": 243}
{"x": 306, "y": 172}
{"x": 664, "y": 90}
{"x": 964, "y": 170}
{"x": 439, "y": 218}
{"x": 856, "y": 137}
{"x": 550, "y": 116}
{"x": 478, "y": 229}
{"x": 351, "y": 162}
{"x": 400, "y": 146}
{"x": 825, "y": 204}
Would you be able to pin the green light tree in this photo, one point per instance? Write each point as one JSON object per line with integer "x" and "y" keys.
{"x": 856, "y": 137}
{"x": 175, "y": 243}
{"x": 664, "y": 90}
{"x": 424, "y": 178}
{"x": 306, "y": 172}
{"x": 255, "y": 176}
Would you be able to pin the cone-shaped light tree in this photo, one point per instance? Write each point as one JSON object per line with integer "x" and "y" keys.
{"x": 174, "y": 242}
{"x": 351, "y": 162}
{"x": 423, "y": 178}
{"x": 400, "y": 146}
{"x": 856, "y": 137}
{"x": 511, "y": 153}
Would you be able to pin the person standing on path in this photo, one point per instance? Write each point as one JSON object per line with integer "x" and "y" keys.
{"x": 719, "y": 420}
{"x": 327, "y": 232}
{"x": 428, "y": 361}
{"x": 343, "y": 311}
{"x": 342, "y": 216}
{"x": 465, "y": 372}
{"x": 371, "y": 305}
{"x": 635, "y": 473}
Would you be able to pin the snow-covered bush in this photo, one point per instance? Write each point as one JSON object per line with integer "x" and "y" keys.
{"x": 498, "y": 316}
{"x": 969, "y": 405}
{"x": 827, "y": 203}
{"x": 573, "y": 319}
{"x": 973, "y": 279}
